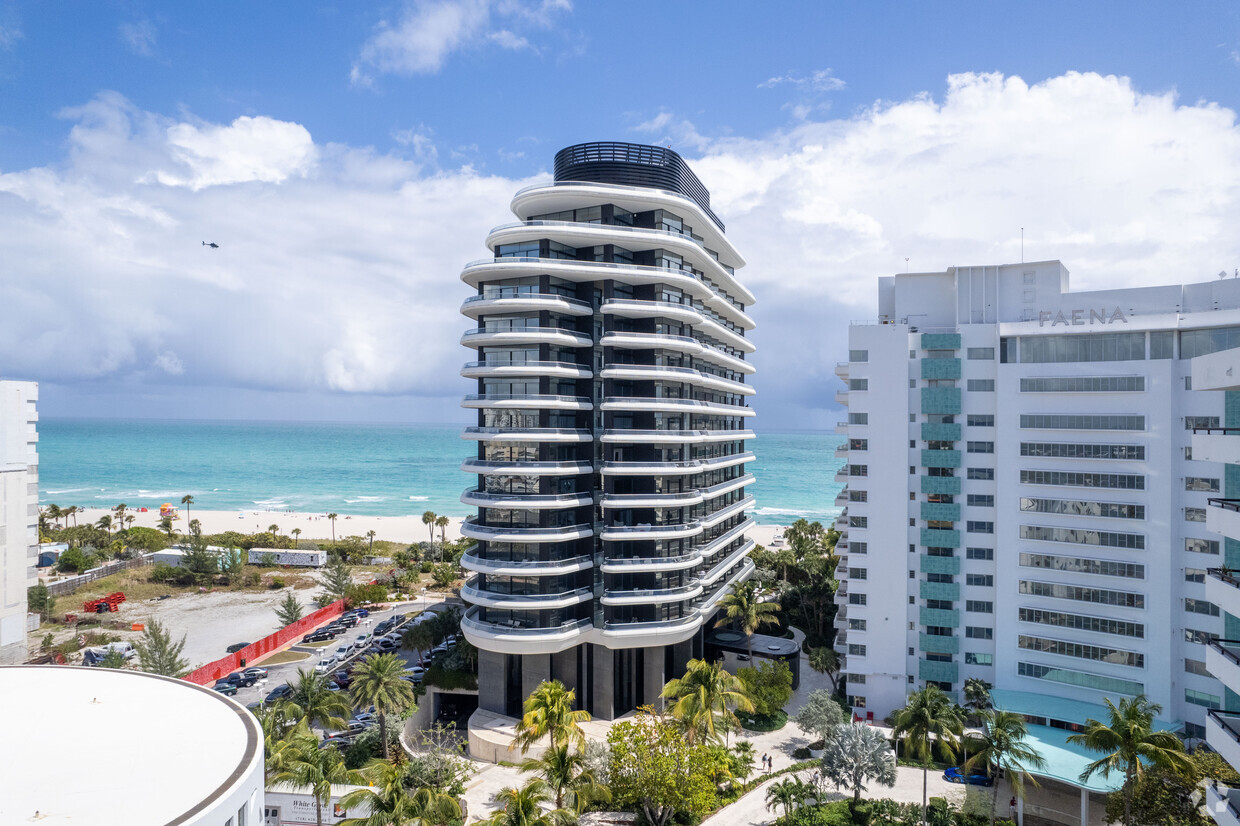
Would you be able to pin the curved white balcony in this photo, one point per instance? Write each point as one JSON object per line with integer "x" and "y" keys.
{"x": 547, "y": 567}
{"x": 653, "y": 596}
{"x": 482, "y": 337}
{"x": 726, "y": 513}
{"x": 493, "y": 269}
{"x": 495, "y": 467}
{"x": 526, "y": 434}
{"x": 541, "y": 199}
{"x": 574, "y": 234}
{"x": 510, "y": 639}
{"x": 524, "y": 602}
{"x": 527, "y": 401}
{"x": 651, "y": 468}
{"x": 841, "y": 475}
{"x": 687, "y": 375}
{"x": 727, "y": 461}
{"x": 665, "y": 405}
{"x": 554, "y": 369}
{"x": 664, "y": 632}
{"x": 652, "y": 500}
{"x": 723, "y": 540}
{"x": 727, "y": 487}
{"x": 722, "y": 567}
{"x": 647, "y": 563}
{"x": 504, "y": 301}
{"x": 708, "y": 606}
{"x": 681, "y": 344}
{"x": 650, "y": 437}
{"x": 515, "y": 533}
{"x": 521, "y": 501}
{"x": 638, "y": 308}
{"x": 641, "y": 533}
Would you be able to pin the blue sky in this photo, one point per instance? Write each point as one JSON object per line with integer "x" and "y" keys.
{"x": 350, "y": 158}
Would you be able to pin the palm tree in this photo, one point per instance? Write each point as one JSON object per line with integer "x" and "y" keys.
{"x": 928, "y": 721}
{"x": 785, "y": 793}
{"x": 1128, "y": 741}
{"x": 119, "y": 510}
{"x": 743, "y": 607}
{"x": 428, "y": 519}
{"x": 104, "y": 523}
{"x": 524, "y": 807}
{"x": 378, "y": 682}
{"x": 705, "y": 694}
{"x": 442, "y": 523}
{"x": 371, "y": 536}
{"x": 296, "y": 532}
{"x": 280, "y": 734}
{"x": 273, "y": 529}
{"x": 549, "y": 713}
{"x": 129, "y": 520}
{"x": 1002, "y": 749}
{"x": 568, "y": 777}
{"x": 55, "y": 514}
{"x": 331, "y": 517}
{"x": 72, "y": 511}
{"x": 389, "y": 802}
{"x": 309, "y": 765}
{"x": 313, "y": 702}
{"x": 165, "y": 525}
{"x": 187, "y": 500}
{"x": 824, "y": 660}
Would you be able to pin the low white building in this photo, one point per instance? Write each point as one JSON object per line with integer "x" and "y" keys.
{"x": 160, "y": 750}
{"x": 19, "y": 513}
{"x": 175, "y": 555}
{"x": 284, "y": 556}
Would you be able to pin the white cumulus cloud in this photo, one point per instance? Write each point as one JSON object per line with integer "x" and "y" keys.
{"x": 248, "y": 149}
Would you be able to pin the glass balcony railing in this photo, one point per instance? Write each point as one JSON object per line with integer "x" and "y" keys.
{"x": 492, "y": 499}
{"x": 652, "y": 562}
{"x": 502, "y": 294}
{"x": 527, "y": 397}
{"x": 471, "y": 593}
{"x": 532, "y": 567}
{"x": 471, "y": 527}
{"x": 482, "y": 332}
{"x": 532, "y": 365}
{"x": 470, "y": 622}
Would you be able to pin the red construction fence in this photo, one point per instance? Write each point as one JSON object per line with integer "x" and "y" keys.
{"x": 224, "y": 666}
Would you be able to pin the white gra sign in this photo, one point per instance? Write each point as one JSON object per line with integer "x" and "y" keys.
{"x": 1076, "y": 318}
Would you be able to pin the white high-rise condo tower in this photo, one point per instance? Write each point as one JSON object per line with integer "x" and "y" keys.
{"x": 1021, "y": 462}
{"x": 19, "y": 513}
{"x": 611, "y": 482}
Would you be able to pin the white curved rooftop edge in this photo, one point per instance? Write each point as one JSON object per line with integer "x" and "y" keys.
{"x": 147, "y": 750}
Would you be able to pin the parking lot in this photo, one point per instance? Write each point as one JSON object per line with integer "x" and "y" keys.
{"x": 285, "y": 673}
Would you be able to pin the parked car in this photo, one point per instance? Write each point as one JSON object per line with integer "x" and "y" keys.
{"x": 366, "y": 717}
{"x": 280, "y": 692}
{"x": 385, "y": 645}
{"x": 349, "y": 621}
{"x": 332, "y": 685}
{"x": 357, "y": 727}
{"x": 953, "y": 775}
{"x": 237, "y": 646}
{"x": 321, "y": 635}
{"x": 240, "y": 679}
{"x": 360, "y": 612}
{"x": 417, "y": 670}
{"x": 227, "y": 689}
{"x": 343, "y": 651}
{"x": 343, "y": 678}
{"x": 336, "y": 741}
{"x": 256, "y": 672}
{"x": 385, "y": 626}
{"x": 326, "y": 664}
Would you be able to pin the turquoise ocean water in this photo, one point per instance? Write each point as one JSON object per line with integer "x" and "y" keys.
{"x": 367, "y": 469}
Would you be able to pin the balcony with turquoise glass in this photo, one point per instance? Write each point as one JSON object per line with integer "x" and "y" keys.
{"x": 946, "y": 591}
{"x": 939, "y": 564}
{"x": 939, "y": 617}
{"x": 940, "y": 341}
{"x": 940, "y": 400}
{"x": 938, "y": 672}
{"x": 940, "y": 538}
{"x": 940, "y": 368}
{"x": 935, "y": 644}
{"x": 940, "y": 511}
{"x": 949, "y": 485}
{"x": 941, "y": 432}
{"x": 940, "y": 458}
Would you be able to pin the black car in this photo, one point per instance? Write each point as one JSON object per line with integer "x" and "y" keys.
{"x": 239, "y": 679}
{"x": 321, "y": 635}
{"x": 383, "y": 627}
{"x": 237, "y": 646}
{"x": 349, "y": 621}
{"x": 280, "y": 692}
{"x": 227, "y": 689}
{"x": 343, "y": 678}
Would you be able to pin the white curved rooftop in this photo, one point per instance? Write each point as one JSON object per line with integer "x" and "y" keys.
{"x": 97, "y": 745}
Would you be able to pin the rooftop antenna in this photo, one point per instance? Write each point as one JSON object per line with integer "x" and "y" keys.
{"x": 1022, "y": 245}
{"x": 906, "y": 263}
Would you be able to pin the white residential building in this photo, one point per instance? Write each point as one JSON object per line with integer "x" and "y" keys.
{"x": 1020, "y": 462}
{"x": 609, "y": 452}
{"x": 1220, "y": 442}
{"x": 19, "y": 513}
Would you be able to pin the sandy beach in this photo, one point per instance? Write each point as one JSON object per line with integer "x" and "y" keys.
{"x": 317, "y": 526}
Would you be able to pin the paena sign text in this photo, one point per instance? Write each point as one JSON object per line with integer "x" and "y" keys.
{"x": 1078, "y": 318}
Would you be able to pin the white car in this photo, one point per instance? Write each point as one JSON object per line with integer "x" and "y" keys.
{"x": 326, "y": 664}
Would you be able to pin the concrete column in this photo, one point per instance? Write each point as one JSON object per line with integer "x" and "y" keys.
{"x": 602, "y": 682}
{"x": 652, "y": 677}
{"x": 1020, "y": 811}
{"x": 491, "y": 679}
{"x": 1084, "y": 807}
{"x": 535, "y": 668}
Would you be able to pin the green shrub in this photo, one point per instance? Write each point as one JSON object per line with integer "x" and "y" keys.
{"x": 438, "y": 676}
{"x": 800, "y": 753}
{"x": 427, "y": 567}
{"x": 368, "y": 594}
{"x": 277, "y": 583}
